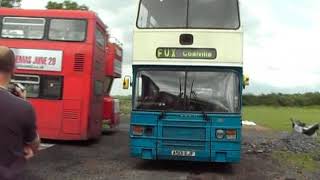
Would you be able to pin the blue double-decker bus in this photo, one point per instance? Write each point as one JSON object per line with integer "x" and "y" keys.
{"x": 187, "y": 81}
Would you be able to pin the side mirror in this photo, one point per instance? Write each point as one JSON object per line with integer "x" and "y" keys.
{"x": 246, "y": 81}
{"x": 126, "y": 82}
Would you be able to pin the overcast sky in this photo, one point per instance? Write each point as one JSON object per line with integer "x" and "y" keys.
{"x": 282, "y": 40}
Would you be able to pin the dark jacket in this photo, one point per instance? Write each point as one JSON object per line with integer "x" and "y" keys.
{"x": 17, "y": 128}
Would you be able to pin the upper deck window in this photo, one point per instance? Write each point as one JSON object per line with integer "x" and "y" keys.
{"x": 67, "y": 30}
{"x": 23, "y": 28}
{"x": 200, "y": 14}
{"x": 100, "y": 38}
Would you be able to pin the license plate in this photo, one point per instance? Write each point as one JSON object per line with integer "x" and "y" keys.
{"x": 183, "y": 153}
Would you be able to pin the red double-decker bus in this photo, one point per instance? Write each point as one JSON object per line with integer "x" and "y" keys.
{"x": 113, "y": 69}
{"x": 60, "y": 59}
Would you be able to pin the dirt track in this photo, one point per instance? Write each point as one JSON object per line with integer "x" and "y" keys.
{"x": 109, "y": 159}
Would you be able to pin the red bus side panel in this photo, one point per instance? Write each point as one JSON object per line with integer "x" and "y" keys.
{"x": 49, "y": 123}
{"x": 71, "y": 117}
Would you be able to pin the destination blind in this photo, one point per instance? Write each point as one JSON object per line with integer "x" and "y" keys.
{"x": 187, "y": 53}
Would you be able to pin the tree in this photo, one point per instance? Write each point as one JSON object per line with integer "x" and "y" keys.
{"x": 54, "y": 5}
{"x": 10, "y": 3}
{"x": 68, "y": 5}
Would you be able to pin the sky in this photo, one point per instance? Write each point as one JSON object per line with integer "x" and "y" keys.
{"x": 281, "y": 40}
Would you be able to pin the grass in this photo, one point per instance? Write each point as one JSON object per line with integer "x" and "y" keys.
{"x": 302, "y": 161}
{"x": 278, "y": 118}
{"x": 125, "y": 104}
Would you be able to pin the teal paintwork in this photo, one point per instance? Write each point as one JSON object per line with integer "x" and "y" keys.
{"x": 186, "y": 131}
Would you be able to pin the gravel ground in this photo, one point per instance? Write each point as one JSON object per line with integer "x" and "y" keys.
{"x": 298, "y": 143}
{"x": 109, "y": 159}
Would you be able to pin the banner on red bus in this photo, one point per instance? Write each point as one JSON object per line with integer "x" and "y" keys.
{"x": 36, "y": 59}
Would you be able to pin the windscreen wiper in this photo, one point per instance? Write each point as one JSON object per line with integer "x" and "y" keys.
{"x": 205, "y": 116}
{"x": 180, "y": 90}
{"x": 162, "y": 115}
{"x": 191, "y": 90}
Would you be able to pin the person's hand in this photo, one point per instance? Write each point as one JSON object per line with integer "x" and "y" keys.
{"x": 20, "y": 93}
{"x": 28, "y": 152}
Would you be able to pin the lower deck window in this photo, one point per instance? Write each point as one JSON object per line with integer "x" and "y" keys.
{"x": 42, "y": 87}
{"x": 98, "y": 88}
{"x": 51, "y": 87}
{"x": 33, "y": 90}
{"x": 108, "y": 81}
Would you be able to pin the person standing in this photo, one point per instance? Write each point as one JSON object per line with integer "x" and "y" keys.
{"x": 18, "y": 135}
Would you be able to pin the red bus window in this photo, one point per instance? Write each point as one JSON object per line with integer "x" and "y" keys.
{"x": 67, "y": 30}
{"x": 51, "y": 87}
{"x": 98, "y": 88}
{"x": 107, "y": 85}
{"x": 23, "y": 28}
{"x": 45, "y": 87}
{"x": 100, "y": 38}
{"x": 31, "y": 83}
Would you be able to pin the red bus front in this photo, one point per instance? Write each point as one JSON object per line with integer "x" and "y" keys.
{"x": 59, "y": 59}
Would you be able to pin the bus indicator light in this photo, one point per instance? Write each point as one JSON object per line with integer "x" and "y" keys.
{"x": 231, "y": 134}
{"x": 137, "y": 130}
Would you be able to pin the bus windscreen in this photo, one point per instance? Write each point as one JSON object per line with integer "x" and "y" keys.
{"x": 193, "y": 91}
{"x": 196, "y": 14}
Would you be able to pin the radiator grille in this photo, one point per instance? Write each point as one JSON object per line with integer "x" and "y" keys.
{"x": 79, "y": 61}
{"x": 71, "y": 114}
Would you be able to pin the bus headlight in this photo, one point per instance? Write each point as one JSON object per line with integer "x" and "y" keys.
{"x": 231, "y": 134}
{"x": 220, "y": 134}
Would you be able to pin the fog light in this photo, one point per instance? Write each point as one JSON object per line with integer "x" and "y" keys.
{"x": 220, "y": 134}
{"x": 231, "y": 134}
{"x": 137, "y": 130}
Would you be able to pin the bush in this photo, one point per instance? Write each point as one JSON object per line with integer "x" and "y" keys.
{"x": 286, "y": 100}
